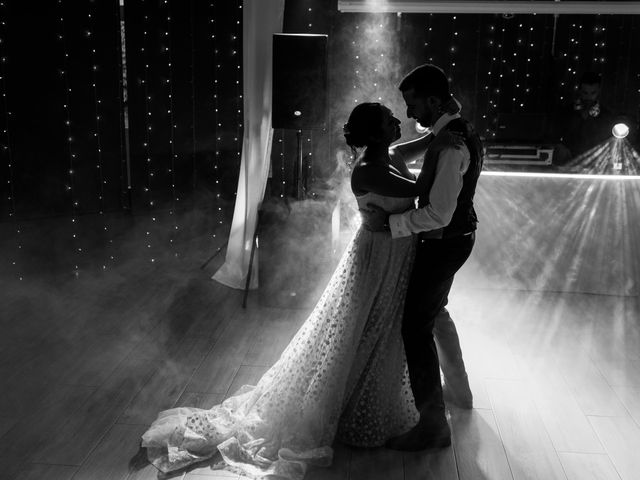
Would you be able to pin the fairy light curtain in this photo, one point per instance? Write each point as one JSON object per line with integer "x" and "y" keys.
{"x": 261, "y": 19}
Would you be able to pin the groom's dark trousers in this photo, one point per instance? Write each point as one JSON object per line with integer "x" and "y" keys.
{"x": 437, "y": 261}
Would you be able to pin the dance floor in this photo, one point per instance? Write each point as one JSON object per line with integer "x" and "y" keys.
{"x": 86, "y": 362}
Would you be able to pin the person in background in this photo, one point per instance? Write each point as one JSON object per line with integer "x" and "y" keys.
{"x": 586, "y": 124}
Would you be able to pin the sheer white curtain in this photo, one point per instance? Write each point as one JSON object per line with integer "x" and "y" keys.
{"x": 261, "y": 19}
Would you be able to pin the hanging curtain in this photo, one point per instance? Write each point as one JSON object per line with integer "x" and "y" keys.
{"x": 261, "y": 19}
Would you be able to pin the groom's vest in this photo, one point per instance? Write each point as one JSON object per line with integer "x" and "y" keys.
{"x": 464, "y": 218}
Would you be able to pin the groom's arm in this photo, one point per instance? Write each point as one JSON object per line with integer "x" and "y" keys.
{"x": 443, "y": 197}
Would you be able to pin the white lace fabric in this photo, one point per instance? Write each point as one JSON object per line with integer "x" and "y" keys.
{"x": 343, "y": 376}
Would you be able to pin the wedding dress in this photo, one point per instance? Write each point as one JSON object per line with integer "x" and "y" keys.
{"x": 343, "y": 376}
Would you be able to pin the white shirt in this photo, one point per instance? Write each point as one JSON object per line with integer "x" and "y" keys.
{"x": 443, "y": 197}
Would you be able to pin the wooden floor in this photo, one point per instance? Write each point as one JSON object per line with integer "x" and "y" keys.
{"x": 87, "y": 362}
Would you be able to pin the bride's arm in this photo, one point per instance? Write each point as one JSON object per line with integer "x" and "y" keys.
{"x": 411, "y": 151}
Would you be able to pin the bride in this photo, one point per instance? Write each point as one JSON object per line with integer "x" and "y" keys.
{"x": 344, "y": 375}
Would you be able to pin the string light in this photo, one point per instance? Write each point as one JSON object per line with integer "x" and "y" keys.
{"x": 595, "y": 52}
{"x": 216, "y": 161}
{"x": 518, "y": 46}
{"x": 562, "y": 56}
{"x": 428, "y": 37}
{"x": 575, "y": 55}
{"x": 500, "y": 60}
{"x": 72, "y": 156}
{"x": 501, "y": 64}
{"x": 491, "y": 105}
{"x": 238, "y": 59}
{"x": 96, "y": 134}
{"x": 453, "y": 48}
{"x": 605, "y": 31}
{"x": 505, "y": 70}
{"x": 572, "y": 57}
{"x": 172, "y": 126}
{"x": 309, "y": 156}
{"x": 148, "y": 129}
{"x": 6, "y": 146}
{"x": 527, "y": 67}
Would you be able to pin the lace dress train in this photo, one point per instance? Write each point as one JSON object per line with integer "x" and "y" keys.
{"x": 342, "y": 376}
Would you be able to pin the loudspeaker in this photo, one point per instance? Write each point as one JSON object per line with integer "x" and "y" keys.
{"x": 299, "y": 81}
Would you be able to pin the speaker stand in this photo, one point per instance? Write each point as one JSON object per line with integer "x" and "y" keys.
{"x": 254, "y": 245}
{"x": 299, "y": 172}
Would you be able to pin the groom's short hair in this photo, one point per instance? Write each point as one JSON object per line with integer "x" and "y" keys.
{"x": 427, "y": 80}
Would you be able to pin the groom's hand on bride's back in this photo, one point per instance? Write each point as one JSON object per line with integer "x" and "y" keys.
{"x": 374, "y": 218}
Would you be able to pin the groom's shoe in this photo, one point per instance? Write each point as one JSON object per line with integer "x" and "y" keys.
{"x": 431, "y": 432}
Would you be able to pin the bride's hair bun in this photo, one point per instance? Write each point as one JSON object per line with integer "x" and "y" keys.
{"x": 364, "y": 124}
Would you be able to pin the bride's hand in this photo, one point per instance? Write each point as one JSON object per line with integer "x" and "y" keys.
{"x": 374, "y": 218}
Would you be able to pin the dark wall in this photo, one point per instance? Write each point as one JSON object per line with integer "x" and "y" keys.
{"x": 182, "y": 64}
{"x": 51, "y": 108}
{"x": 185, "y": 87}
{"x": 193, "y": 105}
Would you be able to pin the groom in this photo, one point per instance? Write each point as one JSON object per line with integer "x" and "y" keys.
{"x": 445, "y": 222}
